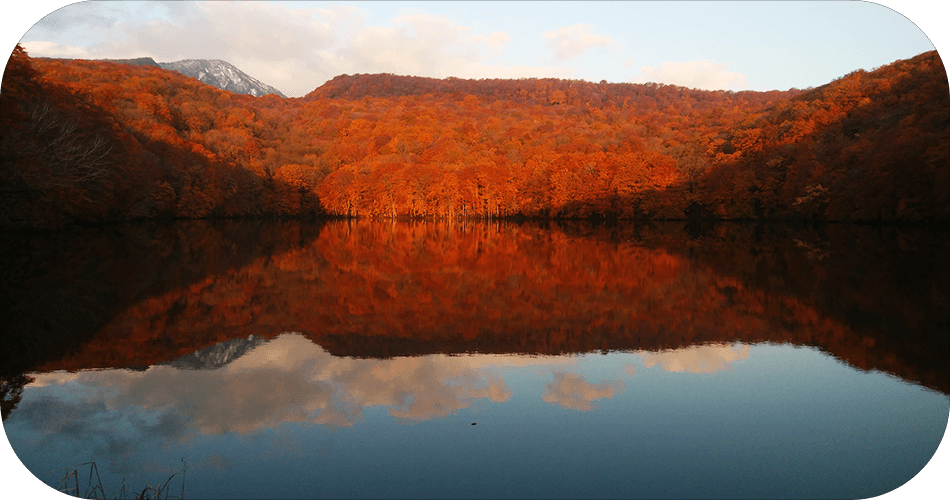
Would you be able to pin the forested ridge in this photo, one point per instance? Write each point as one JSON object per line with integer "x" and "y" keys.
{"x": 93, "y": 141}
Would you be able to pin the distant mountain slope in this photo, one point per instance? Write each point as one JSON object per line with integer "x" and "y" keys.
{"x": 217, "y": 355}
{"x": 223, "y": 75}
{"x": 544, "y": 91}
{"x": 139, "y": 61}
{"x": 215, "y": 72}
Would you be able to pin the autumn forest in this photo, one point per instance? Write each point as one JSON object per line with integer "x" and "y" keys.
{"x": 94, "y": 141}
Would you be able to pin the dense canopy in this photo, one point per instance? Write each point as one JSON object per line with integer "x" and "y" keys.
{"x": 88, "y": 141}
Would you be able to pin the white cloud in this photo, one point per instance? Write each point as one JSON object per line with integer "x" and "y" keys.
{"x": 51, "y": 49}
{"x": 293, "y": 49}
{"x": 496, "y": 40}
{"x": 572, "y": 41}
{"x": 514, "y": 360}
{"x": 573, "y": 391}
{"x": 705, "y": 74}
{"x": 479, "y": 70}
{"x": 696, "y": 359}
{"x": 291, "y": 379}
{"x": 418, "y": 44}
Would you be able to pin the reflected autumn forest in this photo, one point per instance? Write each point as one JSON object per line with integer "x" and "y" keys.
{"x": 135, "y": 295}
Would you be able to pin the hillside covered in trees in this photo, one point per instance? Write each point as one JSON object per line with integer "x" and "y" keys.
{"x": 94, "y": 141}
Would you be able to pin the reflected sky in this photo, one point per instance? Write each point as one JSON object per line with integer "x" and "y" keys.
{"x": 287, "y": 419}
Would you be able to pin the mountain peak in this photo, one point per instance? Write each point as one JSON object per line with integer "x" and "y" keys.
{"x": 222, "y": 75}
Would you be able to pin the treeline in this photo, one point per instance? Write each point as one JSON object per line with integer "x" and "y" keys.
{"x": 868, "y": 146}
{"x": 94, "y": 141}
{"x": 546, "y": 91}
{"x": 143, "y": 143}
{"x": 367, "y": 289}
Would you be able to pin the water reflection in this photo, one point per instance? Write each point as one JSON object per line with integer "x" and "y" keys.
{"x": 288, "y": 379}
{"x": 573, "y": 391}
{"x": 138, "y": 345}
{"x": 878, "y": 299}
{"x": 291, "y": 379}
{"x": 697, "y": 359}
{"x": 215, "y": 406}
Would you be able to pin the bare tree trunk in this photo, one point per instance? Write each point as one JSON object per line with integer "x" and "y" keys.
{"x": 70, "y": 159}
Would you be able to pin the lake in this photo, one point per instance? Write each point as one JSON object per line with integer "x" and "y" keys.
{"x": 250, "y": 359}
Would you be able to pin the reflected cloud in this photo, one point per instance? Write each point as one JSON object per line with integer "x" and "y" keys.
{"x": 573, "y": 391}
{"x": 58, "y": 377}
{"x": 696, "y": 359}
{"x": 289, "y": 379}
{"x": 514, "y": 360}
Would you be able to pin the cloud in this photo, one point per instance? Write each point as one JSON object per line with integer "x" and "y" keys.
{"x": 118, "y": 413}
{"x": 418, "y": 44}
{"x": 288, "y": 379}
{"x": 294, "y": 49}
{"x": 98, "y": 16}
{"x": 479, "y": 70}
{"x": 52, "y": 49}
{"x": 496, "y": 40}
{"x": 573, "y": 391}
{"x": 696, "y": 359}
{"x": 572, "y": 41}
{"x": 513, "y": 360}
{"x": 705, "y": 74}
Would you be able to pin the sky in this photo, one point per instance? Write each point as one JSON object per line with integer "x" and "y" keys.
{"x": 297, "y": 46}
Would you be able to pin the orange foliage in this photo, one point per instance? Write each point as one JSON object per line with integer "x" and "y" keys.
{"x": 386, "y": 146}
{"x": 855, "y": 149}
{"x": 367, "y": 288}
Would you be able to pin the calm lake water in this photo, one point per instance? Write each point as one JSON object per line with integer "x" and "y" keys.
{"x": 397, "y": 359}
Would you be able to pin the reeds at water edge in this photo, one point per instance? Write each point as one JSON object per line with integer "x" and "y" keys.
{"x": 70, "y": 485}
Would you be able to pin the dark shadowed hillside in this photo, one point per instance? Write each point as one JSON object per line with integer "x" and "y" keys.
{"x": 868, "y": 146}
